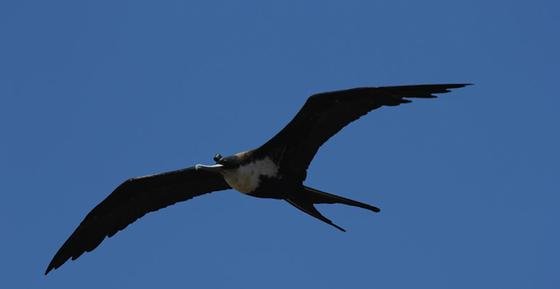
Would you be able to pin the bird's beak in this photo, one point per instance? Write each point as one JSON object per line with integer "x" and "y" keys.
{"x": 213, "y": 168}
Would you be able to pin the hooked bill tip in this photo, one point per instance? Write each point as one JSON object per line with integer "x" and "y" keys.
{"x": 212, "y": 168}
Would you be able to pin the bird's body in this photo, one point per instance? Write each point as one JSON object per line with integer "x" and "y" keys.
{"x": 276, "y": 170}
{"x": 253, "y": 177}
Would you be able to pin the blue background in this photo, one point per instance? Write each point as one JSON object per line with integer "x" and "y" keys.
{"x": 94, "y": 92}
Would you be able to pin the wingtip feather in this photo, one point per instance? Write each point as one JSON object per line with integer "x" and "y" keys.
{"x": 49, "y": 268}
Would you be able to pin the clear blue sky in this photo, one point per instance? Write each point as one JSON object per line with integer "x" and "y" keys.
{"x": 94, "y": 92}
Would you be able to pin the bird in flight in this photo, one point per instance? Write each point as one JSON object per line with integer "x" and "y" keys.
{"x": 274, "y": 170}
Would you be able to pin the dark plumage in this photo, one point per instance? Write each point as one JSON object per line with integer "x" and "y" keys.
{"x": 130, "y": 201}
{"x": 275, "y": 170}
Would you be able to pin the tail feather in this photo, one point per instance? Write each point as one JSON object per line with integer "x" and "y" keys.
{"x": 308, "y": 208}
{"x": 319, "y": 197}
{"x": 305, "y": 199}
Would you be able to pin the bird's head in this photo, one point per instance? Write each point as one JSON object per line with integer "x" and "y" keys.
{"x": 228, "y": 162}
{"x": 218, "y": 158}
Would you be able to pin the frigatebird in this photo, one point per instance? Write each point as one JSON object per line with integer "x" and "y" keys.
{"x": 275, "y": 170}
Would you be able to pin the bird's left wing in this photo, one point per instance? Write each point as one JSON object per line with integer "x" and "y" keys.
{"x": 131, "y": 200}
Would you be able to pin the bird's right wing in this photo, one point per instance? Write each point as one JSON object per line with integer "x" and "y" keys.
{"x": 131, "y": 200}
{"x": 325, "y": 114}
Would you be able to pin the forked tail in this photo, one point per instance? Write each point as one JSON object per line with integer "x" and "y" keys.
{"x": 320, "y": 197}
{"x": 306, "y": 198}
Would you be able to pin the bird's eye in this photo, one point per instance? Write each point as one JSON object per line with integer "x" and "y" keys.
{"x": 218, "y": 158}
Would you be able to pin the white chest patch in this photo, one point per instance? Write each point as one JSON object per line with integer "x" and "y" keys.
{"x": 246, "y": 178}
